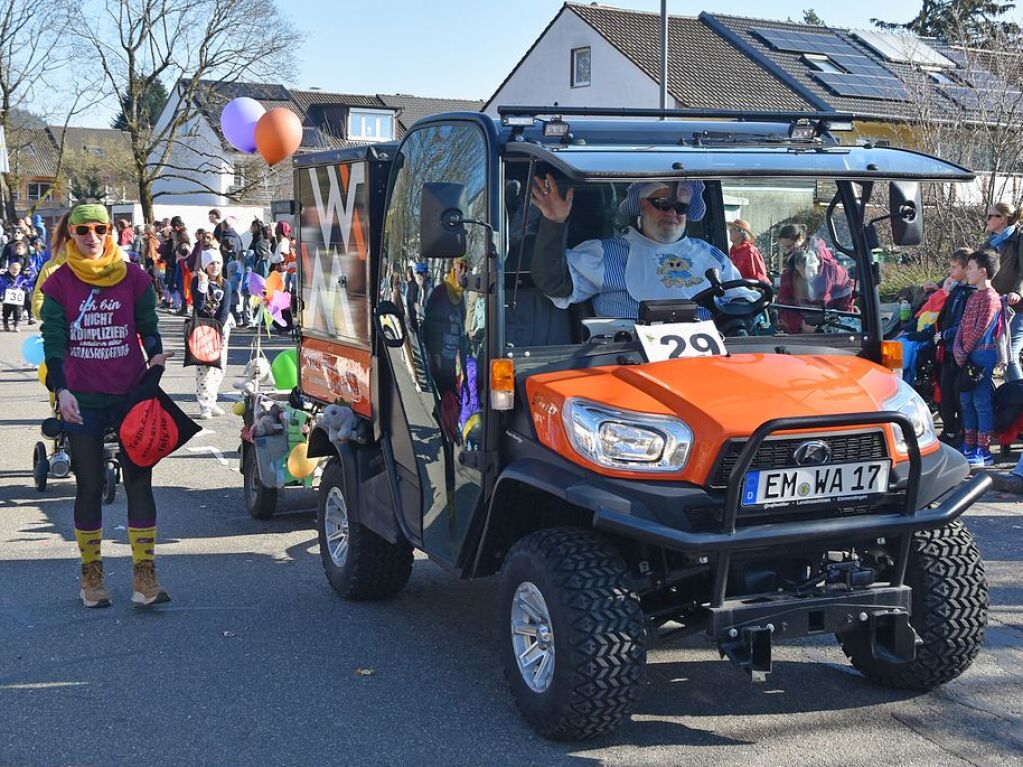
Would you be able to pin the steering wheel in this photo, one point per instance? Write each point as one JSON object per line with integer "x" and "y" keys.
{"x": 733, "y": 309}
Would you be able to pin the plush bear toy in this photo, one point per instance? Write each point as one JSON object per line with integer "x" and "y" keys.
{"x": 339, "y": 422}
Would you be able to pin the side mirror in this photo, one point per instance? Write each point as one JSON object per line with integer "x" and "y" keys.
{"x": 441, "y": 227}
{"x": 390, "y": 325}
{"x": 906, "y": 212}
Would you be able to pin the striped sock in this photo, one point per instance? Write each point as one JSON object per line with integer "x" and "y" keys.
{"x": 89, "y": 544}
{"x": 970, "y": 438}
{"x": 143, "y": 540}
{"x": 983, "y": 440}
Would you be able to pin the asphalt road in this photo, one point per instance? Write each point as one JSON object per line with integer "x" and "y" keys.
{"x": 257, "y": 662}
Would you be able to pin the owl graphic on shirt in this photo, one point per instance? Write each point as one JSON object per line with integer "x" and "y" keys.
{"x": 674, "y": 271}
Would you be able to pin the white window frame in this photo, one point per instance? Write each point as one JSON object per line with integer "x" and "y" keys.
{"x": 29, "y": 197}
{"x": 822, "y": 63}
{"x": 574, "y": 78}
{"x": 381, "y": 118}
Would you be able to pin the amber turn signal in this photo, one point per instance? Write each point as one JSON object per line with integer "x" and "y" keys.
{"x": 891, "y": 355}
{"x": 502, "y": 384}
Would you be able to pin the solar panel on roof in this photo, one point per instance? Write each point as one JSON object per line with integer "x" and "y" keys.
{"x": 980, "y": 100}
{"x": 864, "y": 87}
{"x": 804, "y": 42}
{"x": 901, "y": 48}
{"x": 860, "y": 65}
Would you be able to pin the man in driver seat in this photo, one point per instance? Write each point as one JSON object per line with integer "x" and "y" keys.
{"x": 652, "y": 260}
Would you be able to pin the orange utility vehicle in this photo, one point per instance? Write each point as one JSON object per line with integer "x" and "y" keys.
{"x": 632, "y": 472}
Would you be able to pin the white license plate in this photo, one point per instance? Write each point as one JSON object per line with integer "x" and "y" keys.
{"x": 811, "y": 484}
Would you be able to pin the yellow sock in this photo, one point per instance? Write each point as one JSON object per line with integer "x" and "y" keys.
{"x": 89, "y": 544}
{"x": 143, "y": 540}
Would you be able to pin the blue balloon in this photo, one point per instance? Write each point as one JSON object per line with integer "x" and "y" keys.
{"x": 32, "y": 350}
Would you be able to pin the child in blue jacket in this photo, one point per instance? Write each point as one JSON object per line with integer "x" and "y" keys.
{"x": 14, "y": 287}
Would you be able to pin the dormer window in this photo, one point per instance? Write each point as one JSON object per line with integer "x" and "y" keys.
{"x": 822, "y": 63}
{"x": 370, "y": 125}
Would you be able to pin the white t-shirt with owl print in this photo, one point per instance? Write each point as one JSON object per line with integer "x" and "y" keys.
{"x": 619, "y": 272}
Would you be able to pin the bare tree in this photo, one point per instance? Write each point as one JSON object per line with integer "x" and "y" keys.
{"x": 30, "y": 36}
{"x": 137, "y": 43}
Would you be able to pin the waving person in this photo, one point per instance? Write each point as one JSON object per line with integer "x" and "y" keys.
{"x": 95, "y": 310}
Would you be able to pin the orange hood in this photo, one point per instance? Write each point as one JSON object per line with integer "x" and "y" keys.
{"x": 718, "y": 397}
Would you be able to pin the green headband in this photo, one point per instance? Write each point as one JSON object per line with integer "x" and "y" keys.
{"x": 84, "y": 213}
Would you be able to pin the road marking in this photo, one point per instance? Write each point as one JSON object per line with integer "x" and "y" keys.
{"x": 218, "y": 454}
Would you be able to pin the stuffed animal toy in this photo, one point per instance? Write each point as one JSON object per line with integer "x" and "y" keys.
{"x": 255, "y": 374}
{"x": 339, "y": 422}
{"x": 273, "y": 421}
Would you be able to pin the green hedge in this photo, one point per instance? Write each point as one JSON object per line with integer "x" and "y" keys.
{"x": 895, "y": 277}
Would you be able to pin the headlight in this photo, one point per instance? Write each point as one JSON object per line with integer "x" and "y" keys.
{"x": 911, "y": 405}
{"x": 619, "y": 439}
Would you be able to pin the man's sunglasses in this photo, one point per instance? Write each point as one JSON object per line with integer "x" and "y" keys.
{"x": 994, "y": 215}
{"x": 665, "y": 204}
{"x": 100, "y": 230}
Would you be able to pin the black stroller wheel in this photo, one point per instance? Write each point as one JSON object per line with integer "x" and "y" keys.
{"x": 110, "y": 483}
{"x": 40, "y": 466}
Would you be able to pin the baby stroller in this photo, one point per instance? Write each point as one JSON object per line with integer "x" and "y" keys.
{"x": 57, "y": 464}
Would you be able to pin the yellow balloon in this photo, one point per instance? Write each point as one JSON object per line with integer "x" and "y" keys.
{"x": 42, "y": 373}
{"x": 300, "y": 465}
{"x": 238, "y": 408}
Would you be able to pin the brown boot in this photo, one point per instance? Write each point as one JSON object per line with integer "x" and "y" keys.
{"x": 146, "y": 590}
{"x": 94, "y": 593}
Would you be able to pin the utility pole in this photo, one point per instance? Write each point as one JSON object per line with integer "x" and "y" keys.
{"x": 664, "y": 55}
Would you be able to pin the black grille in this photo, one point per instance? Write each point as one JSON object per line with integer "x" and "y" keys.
{"x": 777, "y": 453}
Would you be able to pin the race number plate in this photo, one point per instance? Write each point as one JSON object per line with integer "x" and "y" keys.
{"x": 680, "y": 339}
{"x": 810, "y": 484}
{"x": 14, "y": 296}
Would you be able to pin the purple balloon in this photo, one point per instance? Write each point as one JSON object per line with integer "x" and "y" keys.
{"x": 238, "y": 122}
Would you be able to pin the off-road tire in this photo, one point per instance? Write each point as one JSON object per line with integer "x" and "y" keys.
{"x": 40, "y": 466}
{"x": 260, "y": 502}
{"x": 599, "y": 632}
{"x": 372, "y": 568}
{"x": 949, "y": 612}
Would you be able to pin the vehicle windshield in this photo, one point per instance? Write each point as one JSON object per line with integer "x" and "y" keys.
{"x": 622, "y": 244}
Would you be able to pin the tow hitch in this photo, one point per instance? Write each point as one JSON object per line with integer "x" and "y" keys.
{"x": 750, "y": 651}
{"x": 879, "y": 616}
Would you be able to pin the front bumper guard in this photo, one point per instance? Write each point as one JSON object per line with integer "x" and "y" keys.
{"x": 783, "y": 533}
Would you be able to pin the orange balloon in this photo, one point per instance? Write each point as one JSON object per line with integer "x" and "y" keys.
{"x": 274, "y": 282}
{"x": 278, "y": 135}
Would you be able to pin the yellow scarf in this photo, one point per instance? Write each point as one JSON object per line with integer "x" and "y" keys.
{"x": 455, "y": 290}
{"x": 103, "y": 272}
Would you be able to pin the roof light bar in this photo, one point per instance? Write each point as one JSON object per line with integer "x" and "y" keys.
{"x": 556, "y": 128}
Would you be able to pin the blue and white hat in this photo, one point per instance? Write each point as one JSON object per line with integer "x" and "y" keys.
{"x": 685, "y": 191}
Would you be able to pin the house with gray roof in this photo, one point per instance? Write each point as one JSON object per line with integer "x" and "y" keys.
{"x": 34, "y": 155}
{"x": 601, "y": 56}
{"x": 203, "y": 169}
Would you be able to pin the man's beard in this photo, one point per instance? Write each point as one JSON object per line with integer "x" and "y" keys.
{"x": 665, "y": 233}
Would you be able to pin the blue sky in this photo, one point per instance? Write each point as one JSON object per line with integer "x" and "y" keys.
{"x": 465, "y": 48}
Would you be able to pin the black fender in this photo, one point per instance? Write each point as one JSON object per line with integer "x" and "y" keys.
{"x": 363, "y": 503}
{"x": 529, "y": 494}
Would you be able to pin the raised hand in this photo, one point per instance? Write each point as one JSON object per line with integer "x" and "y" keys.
{"x": 546, "y": 196}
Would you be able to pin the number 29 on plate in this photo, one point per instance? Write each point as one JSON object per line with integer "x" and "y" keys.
{"x": 681, "y": 339}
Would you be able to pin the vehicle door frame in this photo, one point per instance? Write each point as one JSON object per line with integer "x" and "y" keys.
{"x": 493, "y": 290}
